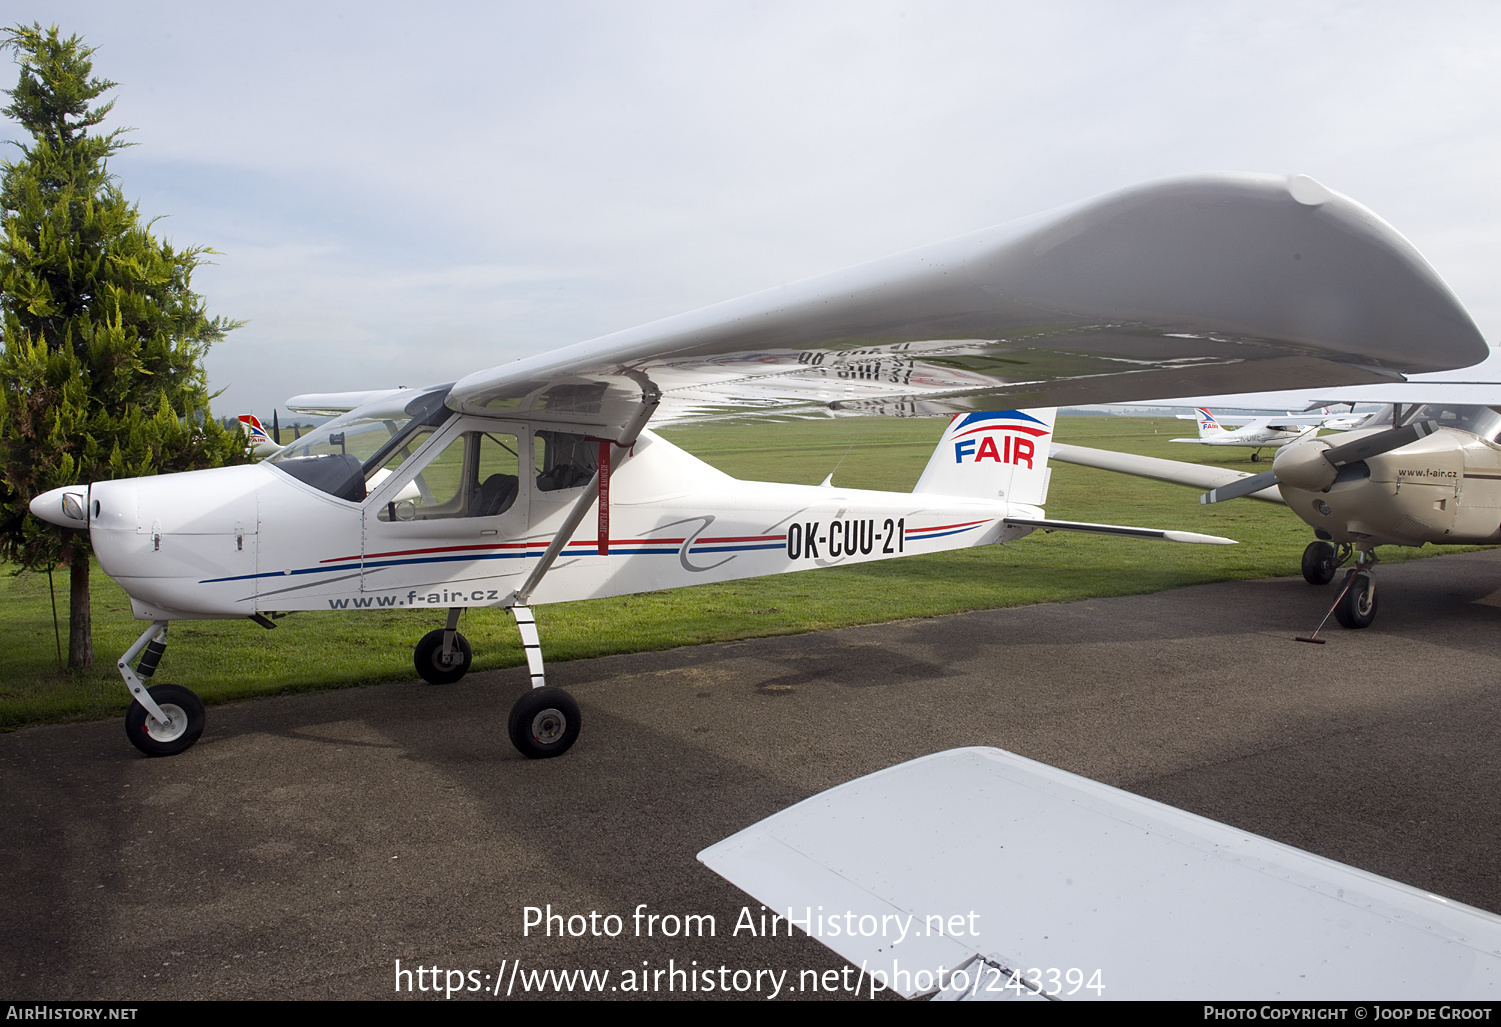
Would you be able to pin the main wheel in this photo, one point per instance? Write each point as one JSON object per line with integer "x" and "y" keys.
{"x": 1319, "y": 563}
{"x": 544, "y": 723}
{"x": 1256, "y": 457}
{"x": 1357, "y": 607}
{"x": 184, "y": 724}
{"x": 428, "y": 657}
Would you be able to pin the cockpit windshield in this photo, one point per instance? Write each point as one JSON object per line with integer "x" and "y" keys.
{"x": 345, "y": 454}
{"x": 1482, "y": 421}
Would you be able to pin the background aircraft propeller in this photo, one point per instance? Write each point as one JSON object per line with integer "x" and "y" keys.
{"x": 1319, "y": 469}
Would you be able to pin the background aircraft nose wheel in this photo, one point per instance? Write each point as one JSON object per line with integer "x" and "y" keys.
{"x": 1319, "y": 563}
{"x": 184, "y": 724}
{"x": 1357, "y": 607}
{"x": 544, "y": 722}
{"x": 428, "y": 657}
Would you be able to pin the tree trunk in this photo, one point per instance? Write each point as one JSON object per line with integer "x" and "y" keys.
{"x": 80, "y": 625}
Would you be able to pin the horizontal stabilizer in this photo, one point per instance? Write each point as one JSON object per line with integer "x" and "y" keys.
{"x": 1175, "y": 471}
{"x": 1121, "y": 529}
{"x": 994, "y": 863}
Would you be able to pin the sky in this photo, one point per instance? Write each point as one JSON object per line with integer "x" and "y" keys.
{"x": 401, "y": 195}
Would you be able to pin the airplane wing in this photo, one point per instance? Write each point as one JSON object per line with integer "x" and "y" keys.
{"x": 1473, "y": 394}
{"x": 1207, "y": 284}
{"x": 1034, "y": 882}
{"x": 331, "y": 404}
{"x": 1176, "y": 471}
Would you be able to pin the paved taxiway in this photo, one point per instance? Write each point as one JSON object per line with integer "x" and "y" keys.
{"x": 308, "y": 842}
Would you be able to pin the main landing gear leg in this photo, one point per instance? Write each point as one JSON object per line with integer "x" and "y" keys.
{"x": 545, "y": 721}
{"x": 167, "y": 719}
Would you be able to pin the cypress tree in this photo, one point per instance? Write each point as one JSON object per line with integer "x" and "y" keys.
{"x": 101, "y": 374}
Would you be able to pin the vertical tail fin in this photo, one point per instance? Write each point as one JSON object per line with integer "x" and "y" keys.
{"x": 1001, "y": 455}
{"x": 260, "y": 443}
{"x": 1208, "y": 426}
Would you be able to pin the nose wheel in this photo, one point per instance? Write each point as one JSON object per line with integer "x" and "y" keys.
{"x": 1357, "y": 605}
{"x": 180, "y": 727}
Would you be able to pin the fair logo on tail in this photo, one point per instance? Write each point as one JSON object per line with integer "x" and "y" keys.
{"x": 1019, "y": 434}
{"x": 253, "y": 428}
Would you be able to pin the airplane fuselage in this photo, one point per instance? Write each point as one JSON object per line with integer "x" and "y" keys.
{"x": 1443, "y": 489}
{"x": 235, "y": 541}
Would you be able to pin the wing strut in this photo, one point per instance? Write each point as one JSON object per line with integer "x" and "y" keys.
{"x": 650, "y": 397}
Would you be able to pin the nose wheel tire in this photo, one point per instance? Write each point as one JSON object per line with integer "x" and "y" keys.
{"x": 184, "y": 724}
{"x": 428, "y": 658}
{"x": 1357, "y": 607}
{"x": 544, "y": 723}
{"x": 1319, "y": 563}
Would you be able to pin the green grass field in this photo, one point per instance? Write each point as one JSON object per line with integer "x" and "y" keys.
{"x": 223, "y": 660}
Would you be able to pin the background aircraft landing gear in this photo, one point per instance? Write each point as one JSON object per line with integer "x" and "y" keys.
{"x": 1321, "y": 561}
{"x": 544, "y": 723}
{"x": 443, "y": 656}
{"x": 1357, "y": 606}
{"x": 184, "y": 723}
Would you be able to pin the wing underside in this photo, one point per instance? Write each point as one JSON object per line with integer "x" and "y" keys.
{"x": 1193, "y": 286}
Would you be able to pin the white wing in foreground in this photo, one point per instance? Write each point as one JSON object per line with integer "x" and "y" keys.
{"x": 1025, "y": 866}
{"x": 1210, "y": 284}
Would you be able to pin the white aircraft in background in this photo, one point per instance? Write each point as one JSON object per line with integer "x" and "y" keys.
{"x": 1261, "y": 433}
{"x": 478, "y": 493}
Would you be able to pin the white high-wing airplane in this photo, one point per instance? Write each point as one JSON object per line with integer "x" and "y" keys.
{"x": 1198, "y": 285}
{"x": 1261, "y": 433}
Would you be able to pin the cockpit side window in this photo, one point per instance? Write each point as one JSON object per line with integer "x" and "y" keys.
{"x": 563, "y": 460}
{"x": 475, "y": 475}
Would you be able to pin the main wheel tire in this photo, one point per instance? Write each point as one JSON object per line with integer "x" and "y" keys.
{"x": 544, "y": 723}
{"x": 184, "y": 725}
{"x": 1255, "y": 458}
{"x": 1319, "y": 563}
{"x": 1357, "y": 607}
{"x": 428, "y": 658}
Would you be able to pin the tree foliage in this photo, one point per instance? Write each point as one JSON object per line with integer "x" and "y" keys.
{"x": 102, "y": 368}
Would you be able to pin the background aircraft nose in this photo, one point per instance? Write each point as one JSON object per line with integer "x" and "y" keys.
{"x": 67, "y": 507}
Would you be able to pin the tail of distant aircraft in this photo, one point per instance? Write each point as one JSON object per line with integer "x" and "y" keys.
{"x": 260, "y": 442}
{"x": 1208, "y": 426}
{"x": 1000, "y": 455}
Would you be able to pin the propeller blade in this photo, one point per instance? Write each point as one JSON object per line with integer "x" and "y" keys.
{"x": 1243, "y": 487}
{"x": 1375, "y": 445}
{"x": 275, "y": 428}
